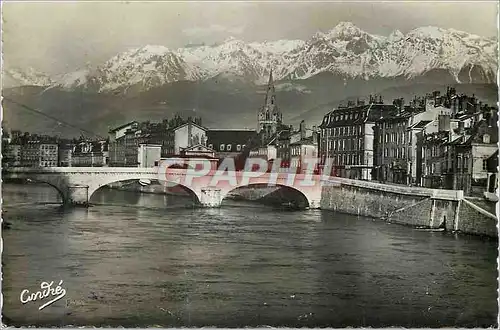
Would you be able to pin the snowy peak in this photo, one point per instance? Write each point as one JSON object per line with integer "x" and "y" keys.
{"x": 148, "y": 66}
{"x": 345, "y": 31}
{"x": 427, "y": 32}
{"x": 395, "y": 36}
{"x": 73, "y": 79}
{"x": 345, "y": 50}
{"x": 15, "y": 77}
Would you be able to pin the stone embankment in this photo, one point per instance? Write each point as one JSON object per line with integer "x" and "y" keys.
{"x": 420, "y": 207}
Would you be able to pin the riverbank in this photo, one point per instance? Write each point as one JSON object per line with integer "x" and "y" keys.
{"x": 291, "y": 268}
{"x": 413, "y": 206}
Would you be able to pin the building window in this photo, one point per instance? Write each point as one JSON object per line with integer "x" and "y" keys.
{"x": 243, "y": 146}
{"x": 485, "y": 163}
{"x": 238, "y": 147}
{"x": 486, "y": 138}
{"x": 466, "y": 164}
{"x": 221, "y": 148}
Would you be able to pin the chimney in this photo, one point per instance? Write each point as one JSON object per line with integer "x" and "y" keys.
{"x": 190, "y": 132}
{"x": 443, "y": 122}
{"x": 315, "y": 135}
{"x": 493, "y": 118}
{"x": 302, "y": 129}
{"x": 461, "y": 129}
{"x": 478, "y": 117}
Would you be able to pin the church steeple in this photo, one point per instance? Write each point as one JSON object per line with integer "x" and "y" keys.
{"x": 271, "y": 93}
{"x": 270, "y": 118}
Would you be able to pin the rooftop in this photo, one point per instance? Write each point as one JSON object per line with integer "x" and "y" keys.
{"x": 122, "y": 126}
{"x": 357, "y": 115}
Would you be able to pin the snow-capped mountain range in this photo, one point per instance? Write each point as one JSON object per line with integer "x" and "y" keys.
{"x": 345, "y": 50}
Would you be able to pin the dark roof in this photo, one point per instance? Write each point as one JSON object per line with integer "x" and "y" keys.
{"x": 284, "y": 134}
{"x": 458, "y": 140}
{"x": 494, "y": 156}
{"x": 196, "y": 148}
{"x": 280, "y": 135}
{"x": 308, "y": 140}
{"x": 439, "y": 137}
{"x": 357, "y": 115}
{"x": 191, "y": 156}
{"x": 235, "y": 137}
{"x": 421, "y": 124}
{"x": 399, "y": 115}
{"x": 482, "y": 128}
{"x": 65, "y": 146}
{"x": 122, "y": 126}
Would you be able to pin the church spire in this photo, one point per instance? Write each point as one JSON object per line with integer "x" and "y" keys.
{"x": 270, "y": 102}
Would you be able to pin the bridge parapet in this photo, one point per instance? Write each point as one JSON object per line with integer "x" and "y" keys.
{"x": 77, "y": 184}
{"x": 82, "y": 170}
{"x": 443, "y": 194}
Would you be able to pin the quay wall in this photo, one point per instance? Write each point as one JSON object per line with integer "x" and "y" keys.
{"x": 475, "y": 219}
{"x": 413, "y": 206}
{"x": 252, "y": 193}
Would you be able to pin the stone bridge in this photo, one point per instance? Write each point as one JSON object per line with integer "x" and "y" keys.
{"x": 76, "y": 185}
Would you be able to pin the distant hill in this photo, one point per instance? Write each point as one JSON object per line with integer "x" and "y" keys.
{"x": 220, "y": 103}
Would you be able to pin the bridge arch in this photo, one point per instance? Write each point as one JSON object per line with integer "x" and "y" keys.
{"x": 93, "y": 188}
{"x": 306, "y": 202}
{"x": 60, "y": 189}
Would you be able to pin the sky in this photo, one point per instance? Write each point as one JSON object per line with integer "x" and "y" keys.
{"x": 58, "y": 37}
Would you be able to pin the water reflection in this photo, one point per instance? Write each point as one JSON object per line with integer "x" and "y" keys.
{"x": 143, "y": 259}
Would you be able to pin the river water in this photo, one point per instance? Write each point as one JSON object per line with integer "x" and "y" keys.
{"x": 151, "y": 260}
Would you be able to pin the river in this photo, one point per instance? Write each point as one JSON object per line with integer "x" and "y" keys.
{"x": 151, "y": 260}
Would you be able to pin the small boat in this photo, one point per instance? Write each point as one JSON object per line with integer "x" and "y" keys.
{"x": 292, "y": 206}
{"x": 144, "y": 182}
{"x": 6, "y": 225}
{"x": 431, "y": 229}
